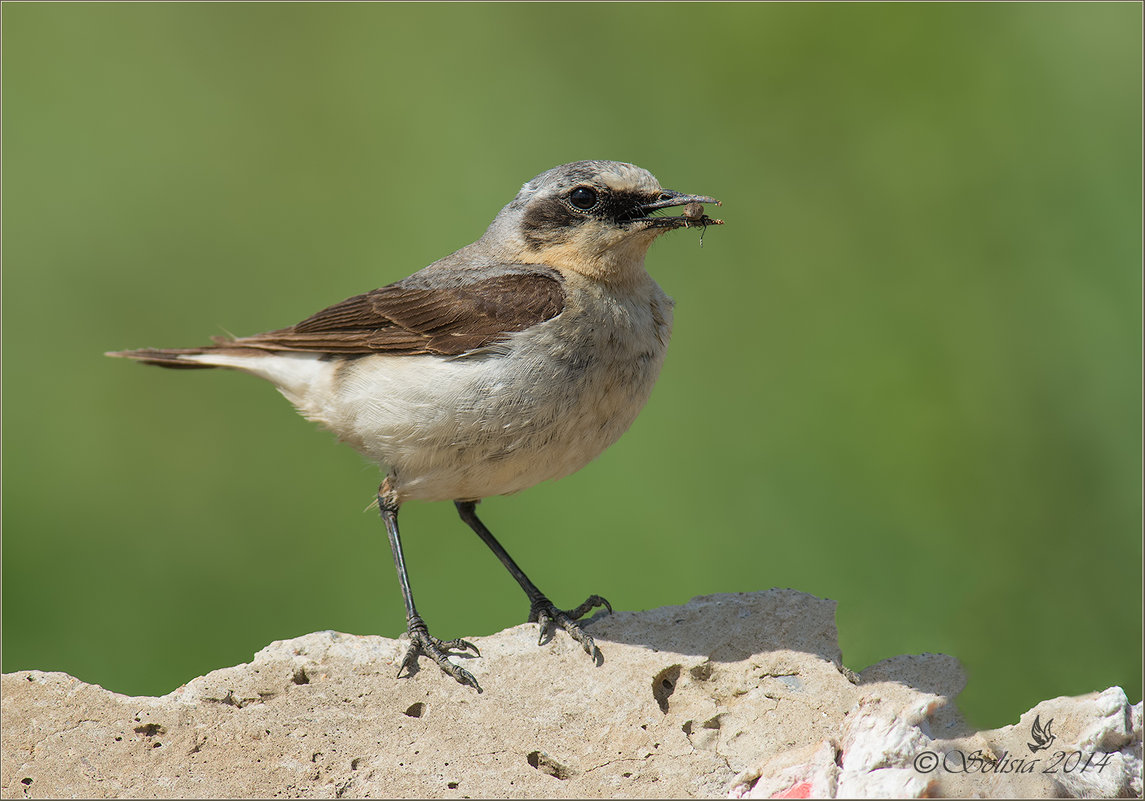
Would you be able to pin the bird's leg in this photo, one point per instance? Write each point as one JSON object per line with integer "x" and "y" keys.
{"x": 421, "y": 641}
{"x": 541, "y": 609}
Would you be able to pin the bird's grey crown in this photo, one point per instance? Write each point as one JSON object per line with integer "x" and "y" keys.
{"x": 569, "y": 175}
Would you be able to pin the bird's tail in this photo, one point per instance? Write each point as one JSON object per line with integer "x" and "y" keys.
{"x": 293, "y": 373}
{"x": 164, "y": 357}
{"x": 220, "y": 355}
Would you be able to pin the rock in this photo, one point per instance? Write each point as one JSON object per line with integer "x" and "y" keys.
{"x": 736, "y": 695}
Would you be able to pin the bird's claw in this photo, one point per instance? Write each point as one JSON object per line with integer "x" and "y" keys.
{"x": 422, "y": 642}
{"x": 543, "y": 612}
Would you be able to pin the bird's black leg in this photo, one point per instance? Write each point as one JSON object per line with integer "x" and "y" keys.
{"x": 541, "y": 609}
{"x": 421, "y": 641}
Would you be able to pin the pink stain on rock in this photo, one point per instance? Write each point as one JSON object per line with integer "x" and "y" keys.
{"x": 799, "y": 790}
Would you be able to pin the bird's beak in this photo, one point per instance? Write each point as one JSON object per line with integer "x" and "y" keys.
{"x": 693, "y": 215}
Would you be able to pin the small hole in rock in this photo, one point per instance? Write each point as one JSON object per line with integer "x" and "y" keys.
{"x": 354, "y": 763}
{"x": 452, "y": 785}
{"x": 26, "y": 779}
{"x": 664, "y": 684}
{"x": 156, "y": 745}
{"x": 300, "y": 677}
{"x": 416, "y": 710}
{"x": 546, "y": 764}
{"x": 149, "y": 729}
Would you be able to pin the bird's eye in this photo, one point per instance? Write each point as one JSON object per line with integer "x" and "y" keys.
{"x": 583, "y": 197}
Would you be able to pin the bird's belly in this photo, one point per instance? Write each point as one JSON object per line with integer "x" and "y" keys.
{"x": 538, "y": 408}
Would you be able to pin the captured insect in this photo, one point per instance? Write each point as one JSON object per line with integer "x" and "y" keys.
{"x": 694, "y": 214}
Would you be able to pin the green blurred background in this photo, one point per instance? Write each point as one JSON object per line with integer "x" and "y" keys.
{"x": 906, "y": 375}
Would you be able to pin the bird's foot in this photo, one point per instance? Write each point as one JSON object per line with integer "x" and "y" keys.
{"x": 422, "y": 642}
{"x": 542, "y": 611}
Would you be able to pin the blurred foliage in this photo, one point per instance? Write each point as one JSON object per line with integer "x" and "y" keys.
{"x": 905, "y": 376}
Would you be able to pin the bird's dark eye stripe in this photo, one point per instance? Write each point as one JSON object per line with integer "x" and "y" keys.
{"x": 627, "y": 206}
{"x": 583, "y": 197}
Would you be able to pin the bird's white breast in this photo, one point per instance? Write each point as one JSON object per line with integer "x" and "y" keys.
{"x": 538, "y": 406}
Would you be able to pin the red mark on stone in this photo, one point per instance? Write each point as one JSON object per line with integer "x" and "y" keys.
{"x": 800, "y": 790}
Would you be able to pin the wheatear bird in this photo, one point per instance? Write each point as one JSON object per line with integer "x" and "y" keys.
{"x": 515, "y": 360}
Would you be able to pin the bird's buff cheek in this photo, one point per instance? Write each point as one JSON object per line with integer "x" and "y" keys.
{"x": 602, "y": 255}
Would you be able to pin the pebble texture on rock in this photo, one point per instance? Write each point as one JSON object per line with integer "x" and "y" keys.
{"x": 739, "y": 695}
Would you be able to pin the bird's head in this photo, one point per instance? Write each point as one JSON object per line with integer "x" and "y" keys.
{"x": 596, "y": 218}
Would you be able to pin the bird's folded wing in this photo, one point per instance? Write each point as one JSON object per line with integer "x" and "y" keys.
{"x": 410, "y": 320}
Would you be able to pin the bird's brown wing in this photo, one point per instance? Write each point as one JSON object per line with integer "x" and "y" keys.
{"x": 411, "y": 317}
{"x": 410, "y": 320}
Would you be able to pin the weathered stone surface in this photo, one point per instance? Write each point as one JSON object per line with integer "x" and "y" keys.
{"x": 730, "y": 694}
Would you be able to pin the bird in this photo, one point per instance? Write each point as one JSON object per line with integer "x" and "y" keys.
{"x": 515, "y": 360}
{"x": 1041, "y": 735}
